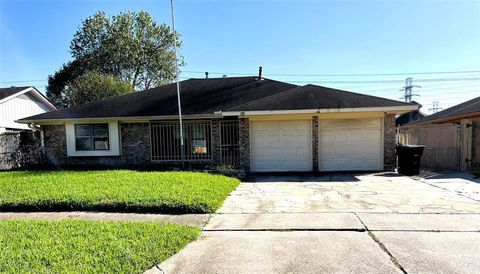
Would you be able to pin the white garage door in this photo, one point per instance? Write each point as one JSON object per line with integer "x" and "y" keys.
{"x": 281, "y": 146}
{"x": 350, "y": 145}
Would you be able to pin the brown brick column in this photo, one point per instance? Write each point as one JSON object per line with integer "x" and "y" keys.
{"x": 315, "y": 143}
{"x": 389, "y": 132}
{"x": 216, "y": 141}
{"x": 244, "y": 143}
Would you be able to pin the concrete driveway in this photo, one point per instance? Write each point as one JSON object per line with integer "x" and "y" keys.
{"x": 365, "y": 223}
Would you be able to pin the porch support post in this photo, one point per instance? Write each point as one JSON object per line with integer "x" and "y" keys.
{"x": 216, "y": 141}
{"x": 389, "y": 156}
{"x": 244, "y": 143}
{"x": 315, "y": 143}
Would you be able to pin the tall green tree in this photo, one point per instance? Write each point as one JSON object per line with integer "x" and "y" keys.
{"x": 130, "y": 45}
{"x": 94, "y": 86}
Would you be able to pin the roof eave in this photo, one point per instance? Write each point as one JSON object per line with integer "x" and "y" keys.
{"x": 35, "y": 92}
{"x": 445, "y": 119}
{"x": 392, "y": 109}
{"x": 126, "y": 119}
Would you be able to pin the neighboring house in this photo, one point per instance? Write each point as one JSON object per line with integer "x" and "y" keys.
{"x": 409, "y": 117}
{"x": 19, "y": 102}
{"x": 466, "y": 117}
{"x": 258, "y": 124}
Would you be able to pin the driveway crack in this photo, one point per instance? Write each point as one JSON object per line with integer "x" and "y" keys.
{"x": 381, "y": 245}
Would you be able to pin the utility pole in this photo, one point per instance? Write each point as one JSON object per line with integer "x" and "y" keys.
{"x": 182, "y": 144}
{"x": 435, "y": 108}
{"x": 408, "y": 89}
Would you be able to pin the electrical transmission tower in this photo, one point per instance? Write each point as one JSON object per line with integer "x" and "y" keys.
{"x": 435, "y": 108}
{"x": 408, "y": 90}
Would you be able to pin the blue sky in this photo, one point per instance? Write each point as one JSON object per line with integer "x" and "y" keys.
{"x": 285, "y": 37}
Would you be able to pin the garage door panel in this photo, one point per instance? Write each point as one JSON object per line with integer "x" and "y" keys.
{"x": 302, "y": 140}
{"x": 333, "y": 137}
{"x": 350, "y": 145}
{"x": 281, "y": 146}
{"x": 302, "y": 126}
{"x": 373, "y": 124}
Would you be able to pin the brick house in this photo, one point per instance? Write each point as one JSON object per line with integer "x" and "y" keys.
{"x": 258, "y": 124}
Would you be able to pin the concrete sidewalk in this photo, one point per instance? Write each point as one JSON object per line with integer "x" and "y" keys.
{"x": 374, "y": 223}
{"x": 198, "y": 220}
{"x": 280, "y": 252}
{"x": 462, "y": 183}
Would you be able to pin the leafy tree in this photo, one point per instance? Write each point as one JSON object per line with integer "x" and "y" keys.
{"x": 94, "y": 86}
{"x": 58, "y": 82}
{"x": 130, "y": 46}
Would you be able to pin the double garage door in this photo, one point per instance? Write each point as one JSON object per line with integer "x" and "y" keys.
{"x": 344, "y": 145}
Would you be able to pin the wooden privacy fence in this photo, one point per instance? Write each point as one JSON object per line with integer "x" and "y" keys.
{"x": 442, "y": 151}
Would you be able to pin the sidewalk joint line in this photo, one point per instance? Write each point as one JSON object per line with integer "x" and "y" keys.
{"x": 283, "y": 229}
{"x": 382, "y": 246}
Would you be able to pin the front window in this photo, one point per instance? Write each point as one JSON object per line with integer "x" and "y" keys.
{"x": 166, "y": 144}
{"x": 91, "y": 137}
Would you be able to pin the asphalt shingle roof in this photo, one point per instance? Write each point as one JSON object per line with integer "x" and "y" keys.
{"x": 316, "y": 97}
{"x": 471, "y": 106}
{"x": 207, "y": 96}
{"x": 408, "y": 117}
{"x": 6, "y": 92}
{"x": 198, "y": 96}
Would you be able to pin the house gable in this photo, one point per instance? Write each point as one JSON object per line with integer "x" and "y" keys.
{"x": 17, "y": 103}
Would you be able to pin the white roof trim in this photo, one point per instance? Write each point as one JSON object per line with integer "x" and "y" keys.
{"x": 35, "y": 92}
{"x": 219, "y": 114}
{"x": 126, "y": 119}
{"x": 396, "y": 109}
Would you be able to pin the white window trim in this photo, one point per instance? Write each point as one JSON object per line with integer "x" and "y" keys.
{"x": 113, "y": 139}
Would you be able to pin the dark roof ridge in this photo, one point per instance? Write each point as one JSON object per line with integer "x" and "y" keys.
{"x": 317, "y": 86}
{"x": 22, "y": 87}
{"x": 439, "y": 115}
{"x": 237, "y": 83}
{"x": 463, "y": 105}
{"x": 147, "y": 90}
{"x": 362, "y": 94}
{"x": 104, "y": 100}
{"x": 266, "y": 97}
{"x": 154, "y": 89}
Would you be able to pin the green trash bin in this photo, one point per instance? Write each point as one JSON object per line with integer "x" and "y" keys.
{"x": 409, "y": 159}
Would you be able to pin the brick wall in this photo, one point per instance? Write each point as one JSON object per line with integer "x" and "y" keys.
{"x": 135, "y": 141}
{"x": 135, "y": 150}
{"x": 244, "y": 143}
{"x": 389, "y": 132}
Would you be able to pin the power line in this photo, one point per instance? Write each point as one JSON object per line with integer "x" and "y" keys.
{"x": 23, "y": 81}
{"x": 388, "y": 81}
{"x": 342, "y": 75}
{"x": 329, "y": 81}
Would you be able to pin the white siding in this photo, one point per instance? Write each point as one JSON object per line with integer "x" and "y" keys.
{"x": 20, "y": 107}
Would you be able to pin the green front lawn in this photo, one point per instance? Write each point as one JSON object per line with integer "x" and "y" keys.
{"x": 88, "y": 247}
{"x": 114, "y": 190}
